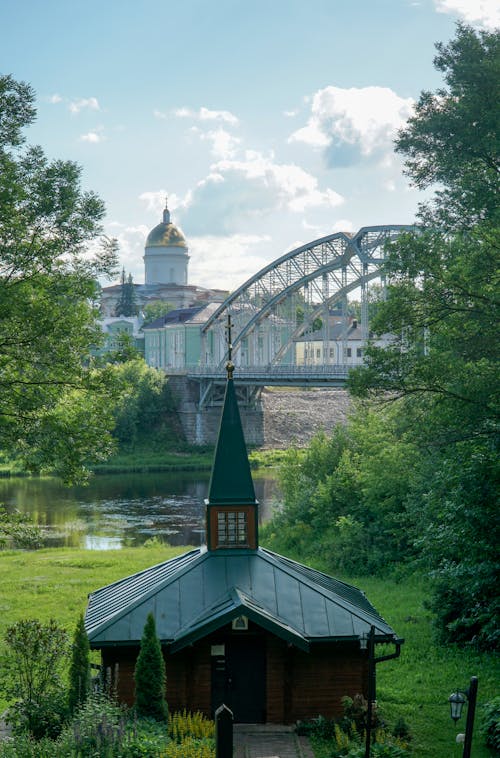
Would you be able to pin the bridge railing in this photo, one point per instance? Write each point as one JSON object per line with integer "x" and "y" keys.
{"x": 336, "y": 371}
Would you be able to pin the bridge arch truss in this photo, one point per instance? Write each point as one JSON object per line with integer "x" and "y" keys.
{"x": 281, "y": 303}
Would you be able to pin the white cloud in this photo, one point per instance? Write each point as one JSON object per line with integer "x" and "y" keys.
{"x": 224, "y": 144}
{"x": 354, "y": 124}
{"x": 226, "y": 262}
{"x": 155, "y": 201}
{"x": 485, "y": 13}
{"x": 236, "y": 194}
{"x": 205, "y": 114}
{"x": 93, "y": 137}
{"x": 131, "y": 241}
{"x": 291, "y": 114}
{"x": 160, "y": 115}
{"x": 55, "y": 98}
{"x": 90, "y": 103}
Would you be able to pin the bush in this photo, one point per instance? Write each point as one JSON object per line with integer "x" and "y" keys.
{"x": 32, "y": 677}
{"x": 25, "y": 747}
{"x": 190, "y": 748}
{"x": 490, "y": 725}
{"x": 183, "y": 724}
{"x": 97, "y": 728}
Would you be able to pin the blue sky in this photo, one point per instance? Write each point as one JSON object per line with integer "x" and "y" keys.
{"x": 268, "y": 124}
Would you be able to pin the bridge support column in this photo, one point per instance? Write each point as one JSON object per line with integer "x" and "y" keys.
{"x": 200, "y": 421}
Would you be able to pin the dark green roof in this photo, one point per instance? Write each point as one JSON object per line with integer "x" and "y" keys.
{"x": 231, "y": 481}
{"x": 201, "y": 590}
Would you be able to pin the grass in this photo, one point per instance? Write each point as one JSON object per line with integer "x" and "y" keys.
{"x": 145, "y": 459}
{"x": 54, "y": 582}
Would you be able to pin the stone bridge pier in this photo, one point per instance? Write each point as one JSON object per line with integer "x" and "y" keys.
{"x": 199, "y": 415}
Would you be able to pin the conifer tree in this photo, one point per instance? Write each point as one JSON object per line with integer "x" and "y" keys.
{"x": 126, "y": 305}
{"x": 149, "y": 675}
{"x": 79, "y": 671}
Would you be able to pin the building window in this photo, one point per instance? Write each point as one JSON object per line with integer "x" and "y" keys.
{"x": 359, "y": 352}
{"x": 232, "y": 528}
{"x": 318, "y": 352}
{"x": 332, "y": 352}
{"x": 349, "y": 352}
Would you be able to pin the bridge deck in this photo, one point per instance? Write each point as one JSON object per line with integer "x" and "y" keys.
{"x": 299, "y": 376}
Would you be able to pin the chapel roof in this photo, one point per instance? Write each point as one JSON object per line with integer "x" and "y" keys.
{"x": 201, "y": 590}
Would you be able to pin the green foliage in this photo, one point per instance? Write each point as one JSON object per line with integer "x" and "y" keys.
{"x": 149, "y": 675}
{"x": 346, "y": 737}
{"x": 125, "y": 350}
{"x": 79, "y": 670}
{"x": 490, "y": 725}
{"x": 155, "y": 310}
{"x": 97, "y": 728}
{"x": 143, "y": 404}
{"x": 183, "y": 724}
{"x": 345, "y": 497}
{"x": 31, "y": 668}
{"x": 47, "y": 285}
{"x": 17, "y": 531}
{"x": 441, "y": 369}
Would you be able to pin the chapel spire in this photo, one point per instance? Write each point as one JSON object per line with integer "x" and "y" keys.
{"x": 232, "y": 509}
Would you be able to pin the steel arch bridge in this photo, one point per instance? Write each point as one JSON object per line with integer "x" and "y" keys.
{"x": 280, "y": 304}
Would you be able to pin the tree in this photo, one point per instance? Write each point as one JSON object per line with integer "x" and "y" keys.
{"x": 47, "y": 286}
{"x": 79, "y": 670}
{"x": 442, "y": 309}
{"x": 32, "y": 675}
{"x": 155, "y": 310}
{"x": 144, "y": 402}
{"x": 126, "y": 305}
{"x": 149, "y": 675}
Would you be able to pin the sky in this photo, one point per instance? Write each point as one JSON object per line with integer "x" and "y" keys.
{"x": 268, "y": 124}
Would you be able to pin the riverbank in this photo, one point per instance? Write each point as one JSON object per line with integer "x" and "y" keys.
{"x": 148, "y": 461}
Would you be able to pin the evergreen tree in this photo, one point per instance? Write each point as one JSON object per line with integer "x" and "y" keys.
{"x": 79, "y": 671}
{"x": 126, "y": 305}
{"x": 150, "y": 677}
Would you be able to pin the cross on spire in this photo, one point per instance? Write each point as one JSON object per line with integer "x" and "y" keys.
{"x": 229, "y": 364}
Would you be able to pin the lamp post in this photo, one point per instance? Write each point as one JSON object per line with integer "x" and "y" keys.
{"x": 369, "y": 643}
{"x": 457, "y": 701}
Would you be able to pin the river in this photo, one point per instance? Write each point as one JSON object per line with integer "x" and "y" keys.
{"x": 123, "y": 509}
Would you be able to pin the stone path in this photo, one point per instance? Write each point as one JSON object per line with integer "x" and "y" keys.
{"x": 269, "y": 741}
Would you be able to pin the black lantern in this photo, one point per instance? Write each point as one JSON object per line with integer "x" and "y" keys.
{"x": 457, "y": 701}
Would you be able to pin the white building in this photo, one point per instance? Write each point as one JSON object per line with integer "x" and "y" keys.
{"x": 166, "y": 262}
{"x": 336, "y": 344}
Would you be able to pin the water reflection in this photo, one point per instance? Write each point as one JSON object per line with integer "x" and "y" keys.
{"x": 122, "y": 509}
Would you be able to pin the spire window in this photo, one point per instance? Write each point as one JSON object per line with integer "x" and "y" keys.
{"x": 232, "y": 528}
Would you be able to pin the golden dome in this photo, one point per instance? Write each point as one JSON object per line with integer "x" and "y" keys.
{"x": 166, "y": 234}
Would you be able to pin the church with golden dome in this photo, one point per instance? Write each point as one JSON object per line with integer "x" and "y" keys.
{"x": 166, "y": 260}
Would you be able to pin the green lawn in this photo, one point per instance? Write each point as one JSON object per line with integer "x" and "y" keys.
{"x": 55, "y": 583}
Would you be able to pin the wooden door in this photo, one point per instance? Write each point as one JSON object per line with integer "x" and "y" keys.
{"x": 239, "y": 679}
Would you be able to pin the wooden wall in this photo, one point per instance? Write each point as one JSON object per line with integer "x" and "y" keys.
{"x": 299, "y": 685}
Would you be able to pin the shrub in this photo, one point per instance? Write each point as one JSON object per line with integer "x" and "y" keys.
{"x": 490, "y": 725}
{"x": 183, "y": 724}
{"x": 97, "y": 728}
{"x": 32, "y": 676}
{"x": 189, "y": 748}
{"x": 150, "y": 675}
